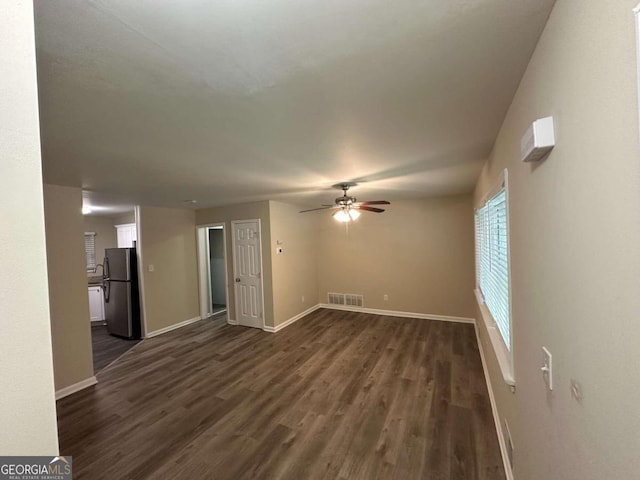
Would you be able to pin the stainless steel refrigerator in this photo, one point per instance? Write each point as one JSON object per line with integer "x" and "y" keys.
{"x": 121, "y": 296}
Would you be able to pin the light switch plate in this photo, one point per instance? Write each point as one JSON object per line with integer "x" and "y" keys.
{"x": 547, "y": 367}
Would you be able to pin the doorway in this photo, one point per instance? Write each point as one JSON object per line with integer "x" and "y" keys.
{"x": 212, "y": 262}
{"x": 111, "y": 304}
{"x": 217, "y": 269}
{"x": 247, "y": 273}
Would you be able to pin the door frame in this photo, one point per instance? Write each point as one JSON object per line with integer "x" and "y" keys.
{"x": 204, "y": 268}
{"x": 137, "y": 212}
{"x": 233, "y": 249}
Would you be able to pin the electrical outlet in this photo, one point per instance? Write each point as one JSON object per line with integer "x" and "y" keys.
{"x": 151, "y": 268}
{"x": 385, "y": 297}
{"x": 547, "y": 367}
{"x": 303, "y": 299}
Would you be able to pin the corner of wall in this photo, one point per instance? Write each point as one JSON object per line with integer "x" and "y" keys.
{"x": 68, "y": 297}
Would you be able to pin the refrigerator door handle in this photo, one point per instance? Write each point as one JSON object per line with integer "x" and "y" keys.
{"x": 106, "y": 290}
{"x": 106, "y": 284}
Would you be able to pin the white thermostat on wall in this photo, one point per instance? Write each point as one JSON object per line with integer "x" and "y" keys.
{"x": 538, "y": 140}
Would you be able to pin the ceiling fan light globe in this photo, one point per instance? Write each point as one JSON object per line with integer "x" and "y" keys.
{"x": 342, "y": 216}
{"x": 354, "y": 214}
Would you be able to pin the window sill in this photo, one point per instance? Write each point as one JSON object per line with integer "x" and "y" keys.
{"x": 503, "y": 355}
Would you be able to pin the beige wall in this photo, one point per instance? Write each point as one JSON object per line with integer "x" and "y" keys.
{"x": 319, "y": 256}
{"x": 294, "y": 271}
{"x": 68, "y": 298}
{"x": 246, "y": 211}
{"x": 106, "y": 236}
{"x": 419, "y": 253}
{"x": 168, "y": 242}
{"x": 575, "y": 249}
{"x": 27, "y": 405}
{"x": 124, "y": 219}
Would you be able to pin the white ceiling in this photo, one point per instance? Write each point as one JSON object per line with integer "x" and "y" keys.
{"x": 159, "y": 101}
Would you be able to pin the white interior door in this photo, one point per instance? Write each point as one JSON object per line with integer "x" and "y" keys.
{"x": 247, "y": 269}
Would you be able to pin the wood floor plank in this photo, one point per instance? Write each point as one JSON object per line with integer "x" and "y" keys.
{"x": 335, "y": 395}
{"x": 107, "y": 348}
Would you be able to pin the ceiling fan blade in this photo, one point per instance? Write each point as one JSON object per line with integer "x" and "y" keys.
{"x": 330, "y": 207}
{"x": 375, "y": 202}
{"x": 369, "y": 209}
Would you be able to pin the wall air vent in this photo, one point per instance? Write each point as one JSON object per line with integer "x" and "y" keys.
{"x": 346, "y": 299}
{"x": 336, "y": 298}
{"x": 354, "y": 300}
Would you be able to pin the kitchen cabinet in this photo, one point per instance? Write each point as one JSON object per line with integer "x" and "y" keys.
{"x": 96, "y": 304}
{"x": 127, "y": 234}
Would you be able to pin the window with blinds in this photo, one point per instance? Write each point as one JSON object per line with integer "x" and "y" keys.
{"x": 90, "y": 250}
{"x": 492, "y": 261}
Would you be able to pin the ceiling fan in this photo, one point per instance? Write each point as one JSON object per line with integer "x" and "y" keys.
{"x": 347, "y": 207}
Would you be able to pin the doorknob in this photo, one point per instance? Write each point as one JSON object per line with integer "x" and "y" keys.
{"x": 237, "y": 280}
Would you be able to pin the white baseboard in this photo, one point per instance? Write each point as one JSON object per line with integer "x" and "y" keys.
{"x": 293, "y": 319}
{"x": 394, "y": 313}
{"x": 155, "y": 333}
{"x": 76, "y": 387}
{"x": 373, "y": 311}
{"x": 496, "y": 417}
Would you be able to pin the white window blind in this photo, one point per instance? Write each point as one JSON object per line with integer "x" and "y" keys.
{"x": 90, "y": 250}
{"x": 492, "y": 261}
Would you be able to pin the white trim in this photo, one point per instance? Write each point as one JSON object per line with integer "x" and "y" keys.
{"x": 225, "y": 232}
{"x": 175, "y": 326}
{"x": 503, "y": 355}
{"x": 494, "y": 409}
{"x": 637, "y": 10}
{"x": 76, "y": 387}
{"x": 395, "y": 313}
{"x": 510, "y": 278}
{"x": 233, "y": 259}
{"x": 499, "y": 184}
{"x": 295, "y": 318}
{"x": 141, "y": 283}
{"x": 232, "y": 322}
{"x": 203, "y": 283}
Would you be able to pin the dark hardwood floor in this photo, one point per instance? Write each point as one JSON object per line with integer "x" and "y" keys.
{"x": 337, "y": 395}
{"x": 107, "y": 348}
